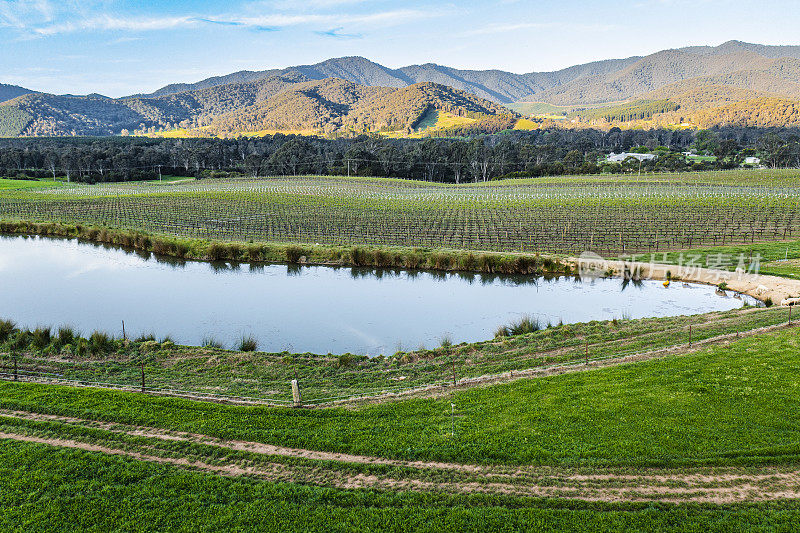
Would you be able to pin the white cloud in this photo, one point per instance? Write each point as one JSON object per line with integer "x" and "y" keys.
{"x": 112, "y": 23}
{"x": 38, "y": 18}
{"x": 20, "y": 13}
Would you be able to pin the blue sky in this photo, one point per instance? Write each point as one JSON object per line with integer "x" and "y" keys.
{"x": 120, "y": 47}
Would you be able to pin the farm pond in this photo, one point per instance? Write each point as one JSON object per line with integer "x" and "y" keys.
{"x": 52, "y": 282}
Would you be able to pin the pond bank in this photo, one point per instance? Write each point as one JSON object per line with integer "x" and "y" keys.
{"x": 305, "y": 254}
{"x": 779, "y": 291}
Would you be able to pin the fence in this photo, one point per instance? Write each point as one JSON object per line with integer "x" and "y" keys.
{"x": 496, "y": 361}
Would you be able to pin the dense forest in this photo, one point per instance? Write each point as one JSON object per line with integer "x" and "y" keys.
{"x": 514, "y": 154}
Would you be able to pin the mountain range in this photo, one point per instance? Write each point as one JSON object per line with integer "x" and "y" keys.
{"x": 735, "y": 83}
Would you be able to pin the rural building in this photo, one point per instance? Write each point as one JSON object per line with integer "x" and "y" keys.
{"x": 752, "y": 161}
{"x": 619, "y": 158}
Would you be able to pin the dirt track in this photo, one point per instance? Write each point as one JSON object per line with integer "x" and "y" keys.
{"x": 720, "y": 485}
{"x": 761, "y": 287}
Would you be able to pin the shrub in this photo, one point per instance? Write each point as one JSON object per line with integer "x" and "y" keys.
{"x": 293, "y": 254}
{"x": 21, "y": 340}
{"x": 216, "y": 252}
{"x": 349, "y": 360}
{"x": 7, "y": 328}
{"x": 211, "y": 342}
{"x": 446, "y": 342}
{"x": 358, "y": 256}
{"x": 248, "y": 344}
{"x": 100, "y": 342}
{"x": 40, "y": 338}
{"x": 81, "y": 347}
{"x": 66, "y": 335}
{"x": 522, "y": 326}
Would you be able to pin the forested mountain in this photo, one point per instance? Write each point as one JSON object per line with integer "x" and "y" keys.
{"x": 591, "y": 83}
{"x": 7, "y": 92}
{"x": 334, "y": 104}
{"x": 289, "y": 102}
{"x": 496, "y": 85}
{"x": 732, "y": 84}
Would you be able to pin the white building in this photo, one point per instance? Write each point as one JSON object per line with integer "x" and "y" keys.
{"x": 752, "y": 161}
{"x": 619, "y": 158}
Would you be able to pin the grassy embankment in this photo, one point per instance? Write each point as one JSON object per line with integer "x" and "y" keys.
{"x": 724, "y": 405}
{"x": 373, "y": 256}
{"x": 210, "y": 370}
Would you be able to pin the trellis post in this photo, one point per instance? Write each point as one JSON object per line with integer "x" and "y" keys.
{"x": 296, "y": 400}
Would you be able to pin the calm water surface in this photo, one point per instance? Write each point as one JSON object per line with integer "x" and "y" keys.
{"x": 303, "y": 309}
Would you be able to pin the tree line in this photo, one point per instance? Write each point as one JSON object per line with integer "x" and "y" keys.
{"x": 482, "y": 158}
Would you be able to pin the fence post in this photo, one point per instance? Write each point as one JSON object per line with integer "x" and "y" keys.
{"x": 142, "y": 365}
{"x": 15, "y": 368}
{"x": 690, "y": 335}
{"x": 586, "y": 353}
{"x": 790, "y": 314}
{"x": 296, "y": 400}
{"x": 454, "y": 374}
{"x": 124, "y": 337}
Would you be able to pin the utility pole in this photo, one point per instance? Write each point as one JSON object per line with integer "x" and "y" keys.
{"x": 159, "y": 172}
{"x": 348, "y": 168}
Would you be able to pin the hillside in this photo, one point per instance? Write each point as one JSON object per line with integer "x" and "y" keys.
{"x": 735, "y": 83}
{"x": 496, "y": 85}
{"x": 289, "y": 102}
{"x": 40, "y": 114}
{"x": 334, "y": 104}
{"x": 591, "y": 83}
{"x": 8, "y": 92}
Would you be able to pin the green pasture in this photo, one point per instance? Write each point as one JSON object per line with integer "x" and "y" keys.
{"x": 733, "y": 404}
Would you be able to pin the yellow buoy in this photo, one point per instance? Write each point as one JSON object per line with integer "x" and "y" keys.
{"x": 666, "y": 283}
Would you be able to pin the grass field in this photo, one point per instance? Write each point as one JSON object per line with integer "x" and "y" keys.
{"x": 11, "y": 184}
{"x": 113, "y": 493}
{"x": 731, "y": 404}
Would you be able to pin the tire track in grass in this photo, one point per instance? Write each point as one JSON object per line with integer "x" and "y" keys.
{"x": 727, "y": 485}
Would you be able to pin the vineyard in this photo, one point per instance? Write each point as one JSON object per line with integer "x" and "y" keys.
{"x": 558, "y": 216}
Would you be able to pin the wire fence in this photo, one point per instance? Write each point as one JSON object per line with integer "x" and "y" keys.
{"x": 502, "y": 361}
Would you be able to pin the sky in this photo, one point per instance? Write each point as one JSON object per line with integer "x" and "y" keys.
{"x": 122, "y": 47}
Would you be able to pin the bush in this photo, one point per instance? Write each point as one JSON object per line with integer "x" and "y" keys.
{"x": 66, "y": 335}
{"x": 7, "y": 328}
{"x": 100, "y": 342}
{"x": 211, "y": 342}
{"x": 293, "y": 254}
{"x": 248, "y": 344}
{"x": 446, "y": 342}
{"x": 20, "y": 340}
{"x": 523, "y": 326}
{"x": 40, "y": 338}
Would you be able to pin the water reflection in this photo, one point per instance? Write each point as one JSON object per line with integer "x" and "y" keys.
{"x": 304, "y": 308}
